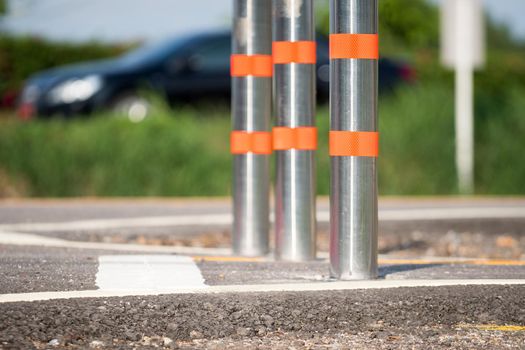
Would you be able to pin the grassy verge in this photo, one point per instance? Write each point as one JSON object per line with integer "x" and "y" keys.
{"x": 185, "y": 152}
{"x": 111, "y": 156}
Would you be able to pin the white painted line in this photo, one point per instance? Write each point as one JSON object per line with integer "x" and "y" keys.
{"x": 26, "y": 239}
{"x": 105, "y": 224}
{"x": 218, "y": 254}
{"x": 259, "y": 288}
{"x": 148, "y": 273}
{"x": 453, "y": 213}
{"x": 352, "y": 285}
{"x": 226, "y": 219}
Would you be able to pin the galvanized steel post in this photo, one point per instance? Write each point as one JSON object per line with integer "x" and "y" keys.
{"x": 294, "y": 137}
{"x": 353, "y": 139}
{"x": 251, "y": 118}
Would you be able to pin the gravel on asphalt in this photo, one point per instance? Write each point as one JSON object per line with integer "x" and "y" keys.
{"x": 424, "y": 317}
{"x": 480, "y": 238}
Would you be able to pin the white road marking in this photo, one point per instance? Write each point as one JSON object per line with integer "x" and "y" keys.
{"x": 195, "y": 220}
{"x": 218, "y": 254}
{"x": 105, "y": 224}
{"x": 148, "y": 273}
{"x": 259, "y": 288}
{"x": 452, "y": 213}
{"x": 26, "y": 239}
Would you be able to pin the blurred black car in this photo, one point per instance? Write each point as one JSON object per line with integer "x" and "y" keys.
{"x": 188, "y": 68}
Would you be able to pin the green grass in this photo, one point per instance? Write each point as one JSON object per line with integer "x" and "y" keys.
{"x": 184, "y": 152}
{"x": 417, "y": 142}
{"x": 181, "y": 155}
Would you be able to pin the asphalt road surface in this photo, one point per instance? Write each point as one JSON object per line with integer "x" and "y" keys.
{"x": 158, "y": 274}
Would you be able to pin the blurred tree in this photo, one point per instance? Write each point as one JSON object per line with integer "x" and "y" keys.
{"x": 499, "y": 37}
{"x": 3, "y": 12}
{"x": 413, "y": 24}
{"x": 401, "y": 24}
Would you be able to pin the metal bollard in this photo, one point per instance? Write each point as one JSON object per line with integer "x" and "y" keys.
{"x": 353, "y": 139}
{"x": 251, "y": 72}
{"x": 295, "y": 135}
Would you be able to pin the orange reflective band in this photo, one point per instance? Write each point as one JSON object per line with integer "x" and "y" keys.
{"x": 354, "y": 143}
{"x": 362, "y": 46}
{"x": 301, "y": 138}
{"x": 251, "y": 65}
{"x": 293, "y": 52}
{"x": 258, "y": 142}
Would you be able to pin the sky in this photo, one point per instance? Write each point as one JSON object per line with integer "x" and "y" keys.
{"x": 115, "y": 20}
{"x": 125, "y": 20}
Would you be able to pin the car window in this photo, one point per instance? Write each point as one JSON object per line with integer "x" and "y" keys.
{"x": 212, "y": 56}
{"x": 153, "y": 51}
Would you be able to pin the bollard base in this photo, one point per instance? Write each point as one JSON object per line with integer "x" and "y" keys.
{"x": 295, "y": 258}
{"x": 347, "y": 275}
{"x": 354, "y": 277}
{"x": 250, "y": 253}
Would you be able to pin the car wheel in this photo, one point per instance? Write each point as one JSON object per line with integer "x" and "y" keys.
{"x": 134, "y": 107}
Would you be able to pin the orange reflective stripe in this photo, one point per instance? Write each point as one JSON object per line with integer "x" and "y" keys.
{"x": 363, "y": 46}
{"x": 251, "y": 65}
{"x": 301, "y": 138}
{"x": 258, "y": 142}
{"x": 293, "y": 52}
{"x": 354, "y": 143}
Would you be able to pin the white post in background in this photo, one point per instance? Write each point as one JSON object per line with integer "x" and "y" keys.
{"x": 464, "y": 125}
{"x": 463, "y": 48}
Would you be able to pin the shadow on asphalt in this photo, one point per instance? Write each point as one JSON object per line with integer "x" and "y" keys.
{"x": 391, "y": 269}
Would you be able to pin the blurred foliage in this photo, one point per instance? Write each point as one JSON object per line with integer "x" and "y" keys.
{"x": 21, "y": 57}
{"x": 500, "y": 140}
{"x": 402, "y": 26}
{"x": 111, "y": 156}
{"x": 410, "y": 32}
{"x": 3, "y": 7}
{"x": 181, "y": 153}
{"x": 409, "y": 27}
{"x": 107, "y": 155}
{"x": 500, "y": 38}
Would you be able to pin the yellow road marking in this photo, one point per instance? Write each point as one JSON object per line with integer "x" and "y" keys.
{"x": 411, "y": 262}
{"x": 494, "y": 327}
{"x": 485, "y": 262}
{"x": 227, "y": 258}
{"x": 383, "y": 261}
{"x": 499, "y": 262}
